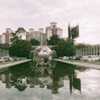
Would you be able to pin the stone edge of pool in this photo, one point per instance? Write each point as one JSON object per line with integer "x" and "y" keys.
{"x": 79, "y": 64}
{"x": 59, "y": 60}
{"x": 13, "y": 63}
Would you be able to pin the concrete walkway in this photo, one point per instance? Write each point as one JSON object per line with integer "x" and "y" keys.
{"x": 13, "y": 63}
{"x": 79, "y": 64}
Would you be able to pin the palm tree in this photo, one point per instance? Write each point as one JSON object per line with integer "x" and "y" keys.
{"x": 21, "y": 33}
{"x": 14, "y": 38}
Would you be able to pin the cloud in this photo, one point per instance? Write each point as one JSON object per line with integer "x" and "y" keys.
{"x": 36, "y": 14}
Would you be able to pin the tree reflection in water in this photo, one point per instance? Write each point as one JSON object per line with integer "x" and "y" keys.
{"x": 50, "y": 77}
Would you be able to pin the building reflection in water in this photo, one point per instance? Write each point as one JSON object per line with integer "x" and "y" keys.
{"x": 74, "y": 83}
{"x": 50, "y": 77}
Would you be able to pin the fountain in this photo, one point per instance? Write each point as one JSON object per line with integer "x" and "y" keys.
{"x": 43, "y": 55}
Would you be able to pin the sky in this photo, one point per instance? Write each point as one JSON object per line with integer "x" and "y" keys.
{"x": 39, "y": 13}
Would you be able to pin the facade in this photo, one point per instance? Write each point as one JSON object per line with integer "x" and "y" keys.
{"x": 53, "y": 30}
{"x": 6, "y": 36}
{"x": 29, "y": 34}
{"x": 38, "y": 35}
{"x": 89, "y": 50}
{"x": 42, "y": 36}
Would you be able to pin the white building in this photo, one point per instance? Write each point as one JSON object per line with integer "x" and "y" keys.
{"x": 38, "y": 35}
{"x": 53, "y": 30}
{"x": 30, "y": 34}
{"x": 6, "y": 36}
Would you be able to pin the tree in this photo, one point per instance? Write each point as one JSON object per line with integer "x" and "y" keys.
{"x": 71, "y": 51}
{"x": 20, "y": 49}
{"x": 65, "y": 48}
{"x": 19, "y": 32}
{"x": 53, "y": 40}
{"x": 4, "y": 49}
{"x": 18, "y": 35}
{"x": 4, "y": 46}
{"x": 14, "y": 38}
{"x": 61, "y": 48}
{"x": 81, "y": 45}
{"x": 34, "y": 42}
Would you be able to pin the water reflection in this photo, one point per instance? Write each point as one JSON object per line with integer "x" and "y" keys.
{"x": 49, "y": 77}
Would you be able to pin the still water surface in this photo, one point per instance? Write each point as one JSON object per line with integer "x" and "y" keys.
{"x": 58, "y": 82}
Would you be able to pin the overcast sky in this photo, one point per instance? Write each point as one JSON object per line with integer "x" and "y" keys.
{"x": 39, "y": 13}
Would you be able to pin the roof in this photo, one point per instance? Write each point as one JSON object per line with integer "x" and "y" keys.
{"x": 49, "y": 27}
{"x": 5, "y": 33}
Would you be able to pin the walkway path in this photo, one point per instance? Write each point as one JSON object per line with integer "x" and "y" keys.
{"x": 13, "y": 63}
{"x": 83, "y": 64}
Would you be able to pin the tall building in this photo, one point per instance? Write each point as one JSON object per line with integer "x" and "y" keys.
{"x": 6, "y": 36}
{"x": 38, "y": 35}
{"x": 29, "y": 34}
{"x": 42, "y": 36}
{"x": 53, "y": 30}
{"x": 0, "y": 39}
